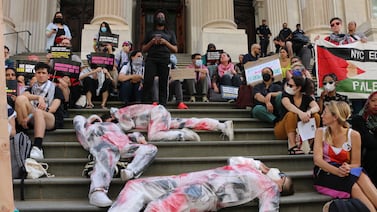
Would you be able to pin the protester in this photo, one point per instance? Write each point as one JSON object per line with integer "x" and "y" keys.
{"x": 337, "y": 158}
{"x": 57, "y": 31}
{"x": 122, "y": 57}
{"x": 329, "y": 91}
{"x": 243, "y": 180}
{"x": 159, "y": 44}
{"x": 199, "y": 85}
{"x": 158, "y": 121}
{"x": 107, "y": 143}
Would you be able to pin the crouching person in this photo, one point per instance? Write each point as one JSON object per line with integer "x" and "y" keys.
{"x": 107, "y": 143}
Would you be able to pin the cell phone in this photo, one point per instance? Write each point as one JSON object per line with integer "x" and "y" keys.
{"x": 157, "y": 36}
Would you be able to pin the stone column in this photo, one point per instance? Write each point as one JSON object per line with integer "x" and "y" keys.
{"x": 118, "y": 13}
{"x": 316, "y": 15}
{"x": 219, "y": 28}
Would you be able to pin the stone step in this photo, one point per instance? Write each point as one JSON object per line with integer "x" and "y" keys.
{"x": 68, "y": 167}
{"x": 306, "y": 201}
{"x": 199, "y": 113}
{"x": 237, "y": 123}
{"x": 78, "y": 187}
{"x": 172, "y": 105}
{"x": 64, "y": 135}
{"x": 183, "y": 149}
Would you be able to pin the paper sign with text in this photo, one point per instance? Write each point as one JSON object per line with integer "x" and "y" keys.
{"x": 60, "y": 52}
{"x": 229, "y": 92}
{"x": 253, "y": 70}
{"x": 105, "y": 38}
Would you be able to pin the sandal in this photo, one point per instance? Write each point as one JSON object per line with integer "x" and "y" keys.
{"x": 104, "y": 107}
{"x": 89, "y": 106}
{"x": 295, "y": 151}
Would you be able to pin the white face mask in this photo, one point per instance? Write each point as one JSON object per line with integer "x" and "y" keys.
{"x": 273, "y": 174}
{"x": 289, "y": 90}
{"x": 329, "y": 87}
{"x": 198, "y": 63}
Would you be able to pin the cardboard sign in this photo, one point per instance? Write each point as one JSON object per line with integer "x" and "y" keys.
{"x": 26, "y": 68}
{"x": 103, "y": 60}
{"x": 105, "y": 38}
{"x": 229, "y": 92}
{"x": 11, "y": 88}
{"x": 182, "y": 73}
{"x": 213, "y": 56}
{"x": 60, "y": 52}
{"x": 63, "y": 67}
{"x": 253, "y": 70}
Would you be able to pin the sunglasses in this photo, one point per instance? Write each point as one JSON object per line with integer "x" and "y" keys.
{"x": 290, "y": 85}
{"x": 325, "y": 83}
{"x": 336, "y": 23}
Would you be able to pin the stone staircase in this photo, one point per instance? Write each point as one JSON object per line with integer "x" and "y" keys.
{"x": 68, "y": 190}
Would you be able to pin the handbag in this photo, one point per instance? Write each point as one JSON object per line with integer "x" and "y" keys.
{"x": 36, "y": 170}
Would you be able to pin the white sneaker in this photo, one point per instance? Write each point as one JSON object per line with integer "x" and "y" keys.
{"x": 192, "y": 99}
{"x": 190, "y": 135}
{"x": 228, "y": 130}
{"x": 126, "y": 174}
{"x": 36, "y": 153}
{"x": 99, "y": 199}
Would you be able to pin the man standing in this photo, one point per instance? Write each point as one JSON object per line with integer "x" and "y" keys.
{"x": 40, "y": 106}
{"x": 264, "y": 34}
{"x": 200, "y": 84}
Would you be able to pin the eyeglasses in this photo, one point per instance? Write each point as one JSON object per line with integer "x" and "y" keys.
{"x": 336, "y": 23}
{"x": 290, "y": 85}
{"x": 325, "y": 83}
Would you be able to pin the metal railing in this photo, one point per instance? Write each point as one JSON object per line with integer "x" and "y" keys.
{"x": 18, "y": 32}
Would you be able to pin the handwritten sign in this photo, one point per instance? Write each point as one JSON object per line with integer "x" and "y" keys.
{"x": 253, "y": 70}
{"x": 60, "y": 52}
{"x": 105, "y": 38}
{"x": 182, "y": 73}
{"x": 64, "y": 67}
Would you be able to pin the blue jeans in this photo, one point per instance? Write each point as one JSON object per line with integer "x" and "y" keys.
{"x": 129, "y": 92}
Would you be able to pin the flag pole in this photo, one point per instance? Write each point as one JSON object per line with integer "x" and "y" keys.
{"x": 6, "y": 184}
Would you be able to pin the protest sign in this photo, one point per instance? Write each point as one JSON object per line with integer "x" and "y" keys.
{"x": 102, "y": 60}
{"x": 11, "y": 88}
{"x": 105, "y": 38}
{"x": 63, "y": 67}
{"x": 26, "y": 68}
{"x": 60, "y": 52}
{"x": 229, "y": 92}
{"x": 182, "y": 73}
{"x": 253, "y": 70}
{"x": 213, "y": 56}
{"x": 355, "y": 66}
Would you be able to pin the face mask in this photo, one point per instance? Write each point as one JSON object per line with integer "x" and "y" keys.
{"x": 198, "y": 63}
{"x": 137, "y": 61}
{"x": 58, "y": 20}
{"x": 160, "y": 21}
{"x": 266, "y": 77}
{"x": 103, "y": 29}
{"x": 329, "y": 87}
{"x": 289, "y": 90}
{"x": 273, "y": 174}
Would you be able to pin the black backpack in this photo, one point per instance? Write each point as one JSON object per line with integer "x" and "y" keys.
{"x": 20, "y": 147}
{"x": 347, "y": 205}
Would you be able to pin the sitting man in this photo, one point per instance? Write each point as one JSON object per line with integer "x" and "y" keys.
{"x": 158, "y": 121}
{"x": 41, "y": 106}
{"x": 243, "y": 180}
{"x": 264, "y": 95}
{"x": 107, "y": 143}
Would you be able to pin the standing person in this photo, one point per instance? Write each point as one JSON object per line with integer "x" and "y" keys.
{"x": 107, "y": 143}
{"x": 264, "y": 34}
{"x": 200, "y": 84}
{"x": 357, "y": 36}
{"x": 285, "y": 33}
{"x": 296, "y": 106}
{"x": 158, "y": 121}
{"x": 264, "y": 95}
{"x": 131, "y": 79}
{"x": 337, "y": 158}
{"x": 366, "y": 124}
{"x": 159, "y": 44}
{"x": 337, "y": 37}
{"x": 241, "y": 181}
{"x": 40, "y": 106}
{"x": 57, "y": 31}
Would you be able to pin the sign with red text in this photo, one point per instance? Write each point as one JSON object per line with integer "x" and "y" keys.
{"x": 66, "y": 67}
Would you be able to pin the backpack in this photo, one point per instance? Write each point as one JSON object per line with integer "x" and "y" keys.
{"x": 347, "y": 205}
{"x": 20, "y": 147}
{"x": 245, "y": 97}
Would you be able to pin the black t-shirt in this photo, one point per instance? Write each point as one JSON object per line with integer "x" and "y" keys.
{"x": 305, "y": 103}
{"x": 159, "y": 52}
{"x": 59, "y": 113}
{"x": 261, "y": 88}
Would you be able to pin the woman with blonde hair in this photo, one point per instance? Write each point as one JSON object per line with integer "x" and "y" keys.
{"x": 337, "y": 153}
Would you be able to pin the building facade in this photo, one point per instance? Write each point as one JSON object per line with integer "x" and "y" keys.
{"x": 229, "y": 24}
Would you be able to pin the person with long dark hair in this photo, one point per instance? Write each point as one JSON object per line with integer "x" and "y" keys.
{"x": 159, "y": 44}
{"x": 56, "y": 31}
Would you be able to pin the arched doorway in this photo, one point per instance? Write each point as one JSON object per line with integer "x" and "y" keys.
{"x": 176, "y": 19}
